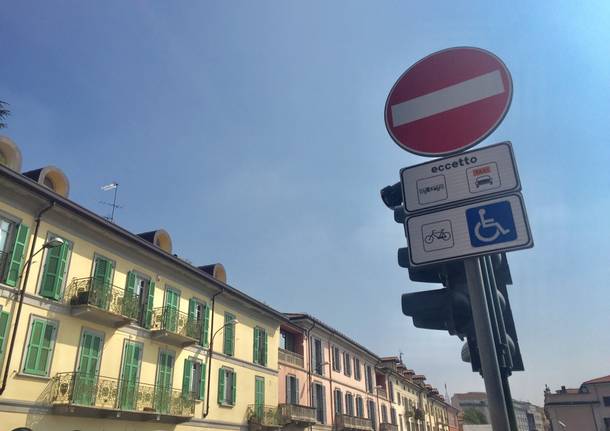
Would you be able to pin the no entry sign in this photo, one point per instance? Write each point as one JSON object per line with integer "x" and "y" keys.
{"x": 448, "y": 101}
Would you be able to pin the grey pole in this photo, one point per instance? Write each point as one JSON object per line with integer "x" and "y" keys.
{"x": 487, "y": 349}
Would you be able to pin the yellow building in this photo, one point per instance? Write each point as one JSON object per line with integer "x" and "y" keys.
{"x": 102, "y": 329}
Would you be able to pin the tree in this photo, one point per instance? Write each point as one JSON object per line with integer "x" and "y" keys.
{"x": 3, "y": 114}
{"x": 474, "y": 417}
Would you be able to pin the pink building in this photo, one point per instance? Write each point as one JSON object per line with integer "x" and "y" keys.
{"x": 336, "y": 376}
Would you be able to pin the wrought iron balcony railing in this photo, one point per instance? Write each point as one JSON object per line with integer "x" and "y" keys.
{"x": 171, "y": 320}
{"x": 104, "y": 296}
{"x": 290, "y": 413}
{"x": 76, "y": 389}
{"x": 291, "y": 358}
{"x": 263, "y": 416}
{"x": 347, "y": 422}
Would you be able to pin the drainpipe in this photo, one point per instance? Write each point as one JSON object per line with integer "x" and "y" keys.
{"x": 21, "y": 294}
{"x": 209, "y": 360}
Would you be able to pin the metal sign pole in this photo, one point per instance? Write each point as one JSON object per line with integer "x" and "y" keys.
{"x": 487, "y": 349}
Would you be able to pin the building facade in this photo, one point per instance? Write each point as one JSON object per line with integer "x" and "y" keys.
{"x": 104, "y": 329}
{"x": 529, "y": 416}
{"x": 584, "y": 408}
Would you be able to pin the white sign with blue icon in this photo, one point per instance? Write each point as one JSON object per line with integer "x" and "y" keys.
{"x": 480, "y": 228}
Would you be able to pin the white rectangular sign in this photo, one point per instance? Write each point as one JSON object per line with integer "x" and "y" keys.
{"x": 467, "y": 176}
{"x": 491, "y": 226}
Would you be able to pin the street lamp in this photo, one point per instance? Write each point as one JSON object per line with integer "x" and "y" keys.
{"x": 209, "y": 359}
{"x": 51, "y": 243}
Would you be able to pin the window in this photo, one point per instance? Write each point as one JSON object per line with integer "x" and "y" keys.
{"x": 260, "y": 346}
{"x": 292, "y": 390}
{"x": 606, "y": 401}
{"x": 368, "y": 376}
{"x": 359, "y": 407}
{"x": 54, "y": 270}
{"x": 384, "y": 414}
{"x": 400, "y": 422}
{"x": 141, "y": 291}
{"x": 319, "y": 402}
{"x": 398, "y": 398}
{"x": 393, "y": 415}
{"x": 13, "y": 241}
{"x": 259, "y": 395}
{"x": 199, "y": 315}
{"x": 347, "y": 364}
{"x": 370, "y": 410}
{"x": 391, "y": 389}
{"x": 287, "y": 341}
{"x": 193, "y": 379}
{"x": 40, "y": 347}
{"x": 229, "y": 335}
{"x": 338, "y": 402}
{"x": 336, "y": 359}
{"x": 357, "y": 373}
{"x": 227, "y": 387}
{"x": 349, "y": 404}
{"x": 317, "y": 356}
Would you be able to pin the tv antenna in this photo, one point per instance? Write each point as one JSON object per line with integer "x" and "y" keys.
{"x": 112, "y": 186}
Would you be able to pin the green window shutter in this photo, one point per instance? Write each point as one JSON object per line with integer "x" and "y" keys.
{"x": 131, "y": 283}
{"x": 39, "y": 348}
{"x": 202, "y": 381}
{"x": 256, "y": 345}
{"x": 63, "y": 261}
{"x": 186, "y": 378}
{"x": 206, "y": 325}
{"x": 259, "y": 391}
{"x": 229, "y": 335}
{"x": 192, "y": 308}
{"x": 233, "y": 387}
{"x": 265, "y": 348}
{"x": 51, "y": 273}
{"x": 192, "y": 324}
{"x": 16, "y": 261}
{"x": 149, "y": 304}
{"x": 4, "y": 324}
{"x": 221, "y": 386}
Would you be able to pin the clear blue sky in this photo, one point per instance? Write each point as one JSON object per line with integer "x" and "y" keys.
{"x": 253, "y": 132}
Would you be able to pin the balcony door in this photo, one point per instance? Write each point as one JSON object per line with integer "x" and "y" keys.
{"x": 85, "y": 383}
{"x": 163, "y": 391}
{"x": 132, "y": 358}
{"x": 172, "y": 299}
{"x": 259, "y": 396}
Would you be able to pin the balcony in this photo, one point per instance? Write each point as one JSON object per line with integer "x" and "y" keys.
{"x": 297, "y": 415}
{"x": 174, "y": 327}
{"x": 352, "y": 423}
{"x": 386, "y": 426}
{"x": 262, "y": 417}
{"x": 83, "y": 395}
{"x": 291, "y": 358}
{"x": 103, "y": 303}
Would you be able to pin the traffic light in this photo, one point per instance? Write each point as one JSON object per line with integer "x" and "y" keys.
{"x": 441, "y": 309}
{"x": 392, "y": 195}
{"x": 500, "y": 279}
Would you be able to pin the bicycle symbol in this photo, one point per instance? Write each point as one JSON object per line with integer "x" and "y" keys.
{"x": 437, "y": 234}
{"x": 491, "y": 224}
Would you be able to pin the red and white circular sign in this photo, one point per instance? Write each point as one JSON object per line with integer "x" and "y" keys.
{"x": 448, "y": 101}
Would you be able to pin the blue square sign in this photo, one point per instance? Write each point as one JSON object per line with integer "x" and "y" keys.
{"x": 491, "y": 224}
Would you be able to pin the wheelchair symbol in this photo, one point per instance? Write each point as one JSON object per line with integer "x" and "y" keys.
{"x": 488, "y": 223}
{"x": 491, "y": 224}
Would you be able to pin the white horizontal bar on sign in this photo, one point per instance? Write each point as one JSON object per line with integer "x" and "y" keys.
{"x": 454, "y": 96}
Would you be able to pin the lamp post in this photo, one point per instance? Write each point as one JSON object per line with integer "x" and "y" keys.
{"x": 51, "y": 243}
{"x": 209, "y": 358}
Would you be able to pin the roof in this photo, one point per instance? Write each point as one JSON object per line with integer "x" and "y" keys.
{"x": 304, "y": 316}
{"x": 604, "y": 379}
{"x": 70, "y": 205}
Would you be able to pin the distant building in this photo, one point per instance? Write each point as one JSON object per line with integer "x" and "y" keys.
{"x": 529, "y": 416}
{"x": 585, "y": 408}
